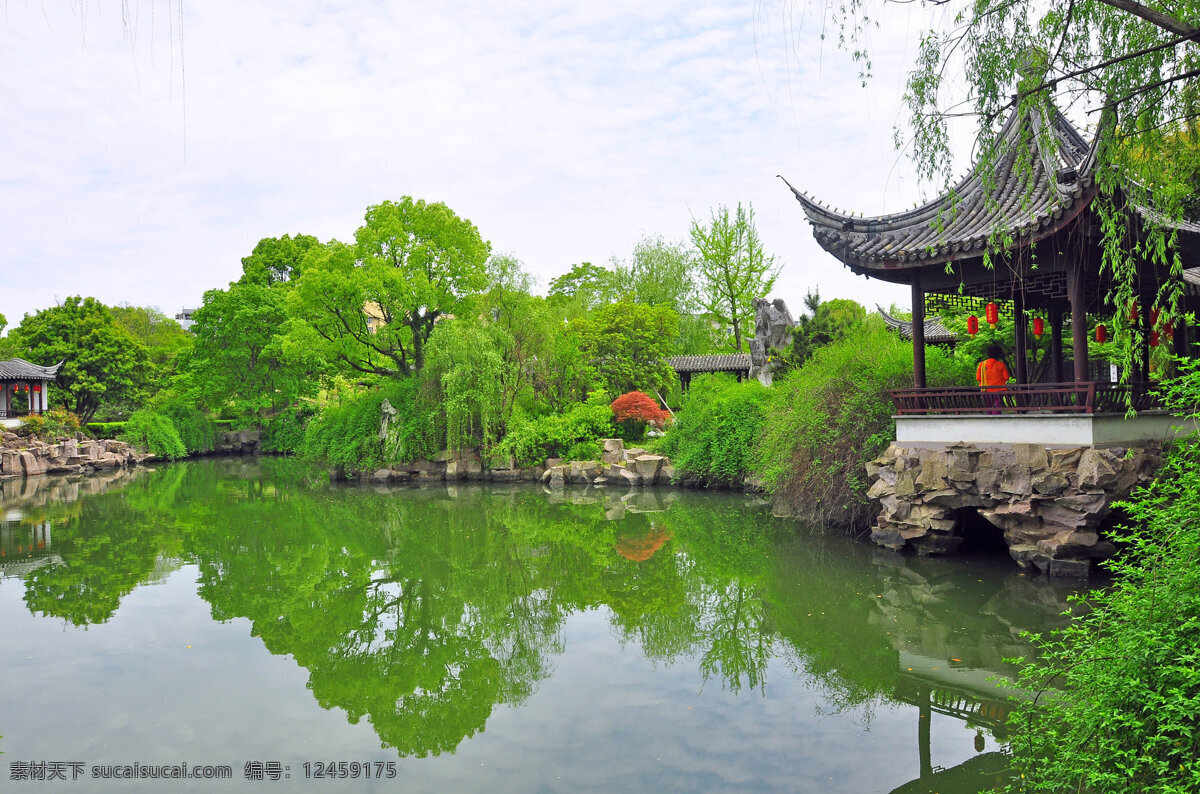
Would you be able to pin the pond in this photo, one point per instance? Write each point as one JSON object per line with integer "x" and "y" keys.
{"x": 248, "y": 614}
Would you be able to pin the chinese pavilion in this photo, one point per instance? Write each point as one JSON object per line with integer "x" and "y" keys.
{"x": 1037, "y": 198}
{"x": 19, "y": 377}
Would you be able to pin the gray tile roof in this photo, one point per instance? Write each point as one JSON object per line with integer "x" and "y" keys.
{"x": 733, "y": 362}
{"x": 935, "y": 332}
{"x": 1031, "y": 205}
{"x": 20, "y": 369}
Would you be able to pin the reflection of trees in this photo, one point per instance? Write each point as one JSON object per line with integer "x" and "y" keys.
{"x": 422, "y": 610}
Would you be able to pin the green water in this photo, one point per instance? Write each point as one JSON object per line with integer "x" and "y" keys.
{"x": 475, "y": 638}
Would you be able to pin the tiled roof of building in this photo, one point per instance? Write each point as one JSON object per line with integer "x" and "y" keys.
{"x": 1029, "y": 204}
{"x": 733, "y": 362}
{"x": 935, "y": 332}
{"x": 20, "y": 369}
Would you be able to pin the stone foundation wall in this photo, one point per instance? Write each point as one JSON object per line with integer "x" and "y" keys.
{"x": 1049, "y": 503}
{"x": 20, "y": 457}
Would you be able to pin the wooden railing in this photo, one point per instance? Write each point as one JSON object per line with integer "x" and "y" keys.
{"x": 1057, "y": 398}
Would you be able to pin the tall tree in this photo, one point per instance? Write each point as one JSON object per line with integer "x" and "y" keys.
{"x": 102, "y": 363}
{"x": 371, "y": 308}
{"x": 626, "y": 345}
{"x": 276, "y": 260}
{"x": 590, "y": 285}
{"x": 240, "y": 359}
{"x": 163, "y": 337}
{"x": 732, "y": 266}
{"x": 660, "y": 273}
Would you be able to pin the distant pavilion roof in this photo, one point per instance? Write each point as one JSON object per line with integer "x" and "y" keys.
{"x": 20, "y": 369}
{"x": 733, "y": 362}
{"x": 935, "y": 332}
{"x": 959, "y": 224}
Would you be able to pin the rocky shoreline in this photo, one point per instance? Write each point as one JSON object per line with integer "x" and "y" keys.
{"x": 617, "y": 466}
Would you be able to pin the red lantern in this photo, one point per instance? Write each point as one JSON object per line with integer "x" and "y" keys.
{"x": 1168, "y": 329}
{"x": 1153, "y": 317}
{"x": 1154, "y": 339}
{"x": 1101, "y": 334}
{"x": 972, "y": 325}
{"x": 1133, "y": 311}
{"x": 37, "y": 387}
{"x": 992, "y": 314}
{"x": 1039, "y": 327}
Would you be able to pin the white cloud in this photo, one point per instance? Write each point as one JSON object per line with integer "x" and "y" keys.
{"x": 138, "y": 173}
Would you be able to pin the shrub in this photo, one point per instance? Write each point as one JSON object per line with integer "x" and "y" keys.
{"x": 714, "y": 434}
{"x": 148, "y": 430}
{"x": 833, "y": 415}
{"x": 284, "y": 432}
{"x": 196, "y": 430}
{"x": 634, "y": 410}
{"x": 105, "y": 429}
{"x": 1128, "y": 671}
{"x": 574, "y": 435}
{"x": 346, "y": 433}
{"x": 56, "y": 424}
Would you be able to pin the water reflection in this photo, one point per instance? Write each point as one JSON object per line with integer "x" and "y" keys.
{"x": 423, "y": 610}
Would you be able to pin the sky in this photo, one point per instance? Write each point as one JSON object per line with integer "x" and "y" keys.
{"x": 144, "y": 153}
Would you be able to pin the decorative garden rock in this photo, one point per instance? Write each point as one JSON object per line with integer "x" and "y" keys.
{"x": 1049, "y": 503}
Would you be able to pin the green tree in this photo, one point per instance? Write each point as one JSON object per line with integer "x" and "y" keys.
{"x": 241, "y": 359}
{"x": 276, "y": 260}
{"x": 163, "y": 337}
{"x": 732, "y": 266}
{"x": 825, "y": 322}
{"x": 659, "y": 273}
{"x": 371, "y": 308}
{"x": 626, "y": 345}
{"x": 102, "y": 363}
{"x": 589, "y": 285}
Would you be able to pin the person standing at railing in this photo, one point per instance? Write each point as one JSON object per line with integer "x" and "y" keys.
{"x": 992, "y": 374}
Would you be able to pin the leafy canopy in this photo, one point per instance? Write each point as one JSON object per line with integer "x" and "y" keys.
{"x": 102, "y": 363}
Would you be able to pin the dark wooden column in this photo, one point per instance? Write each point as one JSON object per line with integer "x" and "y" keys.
{"x": 1145, "y": 299}
{"x": 1079, "y": 345}
{"x": 1179, "y": 343}
{"x": 918, "y": 330}
{"x": 1056, "y": 356}
{"x": 1021, "y": 354}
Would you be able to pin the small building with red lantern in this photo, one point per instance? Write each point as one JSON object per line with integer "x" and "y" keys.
{"x": 24, "y": 387}
{"x": 1020, "y": 238}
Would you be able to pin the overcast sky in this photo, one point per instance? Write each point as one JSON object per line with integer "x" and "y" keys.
{"x": 140, "y": 160}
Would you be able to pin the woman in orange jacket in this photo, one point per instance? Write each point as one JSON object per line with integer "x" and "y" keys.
{"x": 992, "y": 374}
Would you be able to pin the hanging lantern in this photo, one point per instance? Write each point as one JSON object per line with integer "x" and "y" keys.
{"x": 1039, "y": 327}
{"x": 1133, "y": 311}
{"x": 972, "y": 325}
{"x": 992, "y": 314}
{"x": 1101, "y": 334}
{"x": 1154, "y": 339}
{"x": 37, "y": 387}
{"x": 1153, "y": 317}
{"x": 1168, "y": 329}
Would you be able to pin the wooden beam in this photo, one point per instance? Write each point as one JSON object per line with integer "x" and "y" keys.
{"x": 918, "y": 330}
{"x": 1056, "y": 340}
{"x": 1079, "y": 343}
{"x": 1021, "y": 343}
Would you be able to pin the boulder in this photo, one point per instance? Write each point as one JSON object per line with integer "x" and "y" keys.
{"x": 31, "y": 464}
{"x": 648, "y": 466}
{"x": 614, "y": 450}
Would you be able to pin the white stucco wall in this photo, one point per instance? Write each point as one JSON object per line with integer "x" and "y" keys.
{"x": 1050, "y": 430}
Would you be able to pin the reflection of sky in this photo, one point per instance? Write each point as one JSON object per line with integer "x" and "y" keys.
{"x": 162, "y": 682}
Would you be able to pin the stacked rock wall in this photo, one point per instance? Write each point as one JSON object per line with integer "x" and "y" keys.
{"x": 1049, "y": 503}
{"x": 21, "y": 457}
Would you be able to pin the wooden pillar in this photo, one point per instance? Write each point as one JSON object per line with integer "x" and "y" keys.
{"x": 1145, "y": 301}
{"x": 1079, "y": 345}
{"x": 924, "y": 717}
{"x": 918, "y": 330}
{"x": 1019, "y": 337}
{"x": 1179, "y": 342}
{"x": 1056, "y": 356}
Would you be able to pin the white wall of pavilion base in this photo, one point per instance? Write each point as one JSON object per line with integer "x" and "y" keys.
{"x": 1049, "y": 502}
{"x": 1048, "y": 430}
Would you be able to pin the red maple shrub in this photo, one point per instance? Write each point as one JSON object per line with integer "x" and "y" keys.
{"x": 638, "y": 406}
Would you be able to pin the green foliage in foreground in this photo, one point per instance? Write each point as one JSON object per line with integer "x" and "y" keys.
{"x": 155, "y": 432}
{"x": 833, "y": 415}
{"x": 1117, "y": 692}
{"x": 574, "y": 435}
{"x": 715, "y": 432}
{"x": 56, "y": 424}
